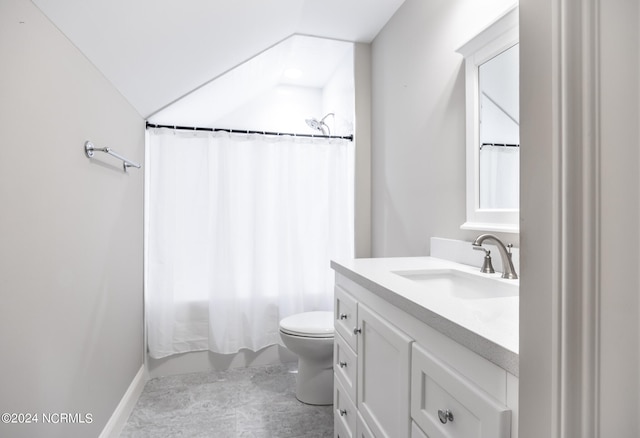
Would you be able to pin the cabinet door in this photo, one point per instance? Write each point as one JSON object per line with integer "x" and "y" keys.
{"x": 383, "y": 375}
{"x": 346, "y": 316}
{"x": 447, "y": 405}
{"x": 416, "y": 432}
{"x": 362, "y": 430}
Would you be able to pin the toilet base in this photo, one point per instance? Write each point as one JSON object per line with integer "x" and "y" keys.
{"x": 314, "y": 382}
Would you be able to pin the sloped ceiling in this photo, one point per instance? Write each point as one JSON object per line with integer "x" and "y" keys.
{"x": 156, "y": 51}
{"x": 317, "y": 59}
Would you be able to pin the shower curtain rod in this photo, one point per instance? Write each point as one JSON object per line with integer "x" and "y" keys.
{"x": 505, "y": 145}
{"x": 242, "y": 131}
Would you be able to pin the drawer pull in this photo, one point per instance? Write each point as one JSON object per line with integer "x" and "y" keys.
{"x": 357, "y": 330}
{"x": 344, "y": 316}
{"x": 342, "y": 364}
{"x": 342, "y": 412}
{"x": 445, "y": 416}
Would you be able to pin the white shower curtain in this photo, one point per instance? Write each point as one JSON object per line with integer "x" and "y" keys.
{"x": 499, "y": 177}
{"x": 241, "y": 230}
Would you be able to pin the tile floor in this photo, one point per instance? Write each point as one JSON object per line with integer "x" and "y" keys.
{"x": 248, "y": 402}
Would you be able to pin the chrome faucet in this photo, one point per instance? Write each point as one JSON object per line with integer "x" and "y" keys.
{"x": 508, "y": 271}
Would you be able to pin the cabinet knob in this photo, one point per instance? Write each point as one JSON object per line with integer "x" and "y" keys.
{"x": 342, "y": 412}
{"x": 342, "y": 364}
{"x": 445, "y": 415}
{"x": 357, "y": 330}
{"x": 343, "y": 316}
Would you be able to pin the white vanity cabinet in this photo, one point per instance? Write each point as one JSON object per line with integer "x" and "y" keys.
{"x": 394, "y": 374}
{"x": 374, "y": 378}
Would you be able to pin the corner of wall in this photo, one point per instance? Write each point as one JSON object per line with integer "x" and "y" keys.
{"x": 362, "y": 138}
{"x": 119, "y": 418}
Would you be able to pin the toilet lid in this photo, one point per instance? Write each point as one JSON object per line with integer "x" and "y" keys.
{"x": 309, "y": 324}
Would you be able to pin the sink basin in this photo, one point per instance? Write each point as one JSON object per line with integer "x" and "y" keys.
{"x": 467, "y": 298}
{"x": 460, "y": 284}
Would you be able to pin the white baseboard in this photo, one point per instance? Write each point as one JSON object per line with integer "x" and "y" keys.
{"x": 119, "y": 417}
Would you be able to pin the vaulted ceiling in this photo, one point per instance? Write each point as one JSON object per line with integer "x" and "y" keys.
{"x": 157, "y": 51}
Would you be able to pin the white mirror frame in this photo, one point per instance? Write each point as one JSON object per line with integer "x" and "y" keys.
{"x": 493, "y": 40}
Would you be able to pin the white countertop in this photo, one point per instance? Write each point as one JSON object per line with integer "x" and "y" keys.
{"x": 487, "y": 326}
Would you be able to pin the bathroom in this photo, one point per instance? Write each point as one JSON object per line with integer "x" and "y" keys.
{"x": 72, "y": 232}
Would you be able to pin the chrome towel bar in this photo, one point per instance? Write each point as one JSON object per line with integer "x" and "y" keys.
{"x": 89, "y": 149}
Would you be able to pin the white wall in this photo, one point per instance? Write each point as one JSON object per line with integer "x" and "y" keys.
{"x": 71, "y": 232}
{"x": 282, "y": 108}
{"x": 418, "y": 123}
{"x": 338, "y": 97}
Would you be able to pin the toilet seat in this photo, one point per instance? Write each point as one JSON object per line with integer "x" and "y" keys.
{"x": 308, "y": 325}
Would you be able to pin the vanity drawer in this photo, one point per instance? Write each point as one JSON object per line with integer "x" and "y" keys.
{"x": 341, "y": 431}
{"x": 437, "y": 389}
{"x": 344, "y": 414}
{"x": 346, "y": 365}
{"x": 346, "y": 316}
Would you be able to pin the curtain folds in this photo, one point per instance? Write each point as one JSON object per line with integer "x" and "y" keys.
{"x": 241, "y": 229}
{"x": 499, "y": 177}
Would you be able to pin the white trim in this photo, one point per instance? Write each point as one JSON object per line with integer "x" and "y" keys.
{"x": 560, "y": 286}
{"x": 579, "y": 311}
{"x": 121, "y": 414}
{"x": 491, "y": 226}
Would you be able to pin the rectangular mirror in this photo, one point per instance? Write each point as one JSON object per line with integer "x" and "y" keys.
{"x": 493, "y": 126}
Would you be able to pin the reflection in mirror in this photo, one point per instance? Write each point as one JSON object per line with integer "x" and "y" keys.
{"x": 499, "y": 131}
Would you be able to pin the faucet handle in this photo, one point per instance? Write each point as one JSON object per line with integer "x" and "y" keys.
{"x": 481, "y": 248}
{"x": 487, "y": 265}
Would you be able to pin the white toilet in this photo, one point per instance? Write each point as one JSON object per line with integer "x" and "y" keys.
{"x": 310, "y": 336}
